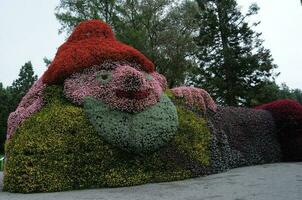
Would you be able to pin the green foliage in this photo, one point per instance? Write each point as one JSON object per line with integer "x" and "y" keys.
{"x": 4, "y": 107}
{"x": 69, "y": 12}
{"x": 47, "y": 61}
{"x": 297, "y": 95}
{"x": 266, "y": 92}
{"x": 58, "y": 149}
{"x": 161, "y": 29}
{"x": 269, "y": 91}
{"x": 21, "y": 85}
{"x": 54, "y": 94}
{"x": 141, "y": 132}
{"x": 286, "y": 93}
{"x": 233, "y": 61}
{"x": 193, "y": 136}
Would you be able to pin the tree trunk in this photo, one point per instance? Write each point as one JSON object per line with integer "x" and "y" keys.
{"x": 230, "y": 98}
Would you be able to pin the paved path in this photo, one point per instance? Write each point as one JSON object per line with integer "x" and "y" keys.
{"x": 264, "y": 182}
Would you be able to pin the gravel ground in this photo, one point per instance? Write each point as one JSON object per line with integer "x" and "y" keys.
{"x": 281, "y": 181}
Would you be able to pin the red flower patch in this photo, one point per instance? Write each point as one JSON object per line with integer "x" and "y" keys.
{"x": 91, "y": 43}
{"x": 288, "y": 119}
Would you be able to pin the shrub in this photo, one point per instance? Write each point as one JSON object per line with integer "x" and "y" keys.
{"x": 58, "y": 149}
{"x": 287, "y": 115}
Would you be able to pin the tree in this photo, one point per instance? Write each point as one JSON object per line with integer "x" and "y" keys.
{"x": 297, "y": 93}
{"x": 4, "y": 107}
{"x": 266, "y": 92}
{"x": 21, "y": 85}
{"x": 232, "y": 60}
{"x": 70, "y": 12}
{"x": 285, "y": 92}
{"x": 47, "y": 61}
{"x": 161, "y": 29}
{"x": 269, "y": 91}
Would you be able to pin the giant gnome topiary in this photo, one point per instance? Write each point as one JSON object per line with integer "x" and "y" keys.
{"x": 101, "y": 116}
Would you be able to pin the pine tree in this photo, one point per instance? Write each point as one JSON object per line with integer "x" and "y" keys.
{"x": 47, "y": 61}
{"x": 233, "y": 61}
{"x": 21, "y": 85}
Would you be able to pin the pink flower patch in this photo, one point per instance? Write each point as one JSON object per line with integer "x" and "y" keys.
{"x": 195, "y": 97}
{"x": 31, "y": 103}
{"x": 121, "y": 85}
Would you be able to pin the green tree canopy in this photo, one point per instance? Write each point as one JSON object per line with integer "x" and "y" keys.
{"x": 4, "y": 107}
{"x": 270, "y": 91}
{"x": 22, "y": 84}
{"x": 70, "y": 12}
{"x": 233, "y": 61}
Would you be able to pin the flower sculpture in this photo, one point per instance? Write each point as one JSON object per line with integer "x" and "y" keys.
{"x": 101, "y": 116}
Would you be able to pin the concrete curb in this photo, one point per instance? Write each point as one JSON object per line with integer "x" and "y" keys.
{"x": 280, "y": 181}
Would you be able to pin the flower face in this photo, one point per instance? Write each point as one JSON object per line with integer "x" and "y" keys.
{"x": 121, "y": 85}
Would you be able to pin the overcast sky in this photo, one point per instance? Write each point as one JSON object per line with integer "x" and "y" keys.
{"x": 29, "y": 31}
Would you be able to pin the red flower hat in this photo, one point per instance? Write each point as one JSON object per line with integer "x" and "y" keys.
{"x": 91, "y": 43}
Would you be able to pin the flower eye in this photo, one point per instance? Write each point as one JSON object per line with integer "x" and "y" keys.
{"x": 104, "y": 76}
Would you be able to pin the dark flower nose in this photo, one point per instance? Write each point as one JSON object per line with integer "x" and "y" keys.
{"x": 132, "y": 81}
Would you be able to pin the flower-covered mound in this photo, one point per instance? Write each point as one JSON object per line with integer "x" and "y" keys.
{"x": 287, "y": 115}
{"x": 243, "y": 137}
{"x": 195, "y": 98}
{"x": 58, "y": 149}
